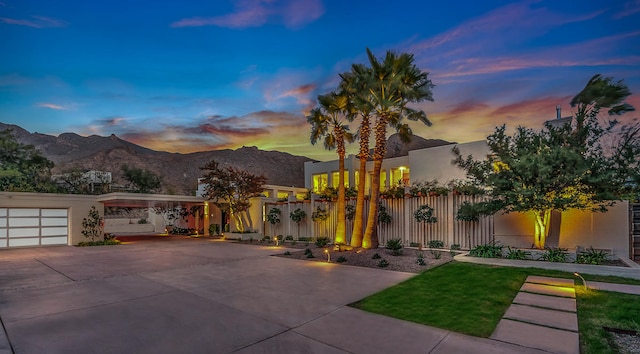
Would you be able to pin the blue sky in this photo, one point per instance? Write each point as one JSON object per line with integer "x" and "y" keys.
{"x": 186, "y": 76}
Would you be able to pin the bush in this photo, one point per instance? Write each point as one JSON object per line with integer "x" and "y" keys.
{"x": 517, "y": 254}
{"x": 310, "y": 255}
{"x": 307, "y": 251}
{"x": 592, "y": 256}
{"x": 287, "y": 253}
{"x": 489, "y": 250}
{"x": 322, "y": 241}
{"x": 436, "y": 244}
{"x": 554, "y": 255}
{"x": 341, "y": 259}
{"x": 420, "y": 260}
{"x": 455, "y": 247}
{"x": 383, "y": 263}
{"x": 376, "y": 256}
{"x": 414, "y": 244}
{"x": 289, "y": 238}
{"x": 395, "y": 245}
{"x": 107, "y": 242}
{"x": 436, "y": 254}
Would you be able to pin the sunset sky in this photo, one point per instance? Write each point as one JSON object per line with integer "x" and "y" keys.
{"x": 185, "y": 76}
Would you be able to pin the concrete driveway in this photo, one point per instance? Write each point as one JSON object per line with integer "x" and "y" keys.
{"x": 201, "y": 296}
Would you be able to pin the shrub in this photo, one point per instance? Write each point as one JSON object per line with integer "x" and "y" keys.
{"x": 376, "y": 256}
{"x": 420, "y": 260}
{"x": 341, "y": 259}
{"x": 554, "y": 255}
{"x": 322, "y": 241}
{"x": 383, "y": 263}
{"x": 92, "y": 225}
{"x": 424, "y": 214}
{"x": 287, "y": 253}
{"x": 436, "y": 254}
{"x": 383, "y": 216}
{"x": 592, "y": 256}
{"x": 414, "y": 244}
{"x": 310, "y": 255}
{"x": 289, "y": 238}
{"x": 489, "y": 250}
{"x": 436, "y": 244}
{"x": 395, "y": 245}
{"x": 307, "y": 251}
{"x": 517, "y": 254}
{"x": 455, "y": 247}
{"x": 142, "y": 221}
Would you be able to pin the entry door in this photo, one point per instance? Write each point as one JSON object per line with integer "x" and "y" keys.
{"x": 20, "y": 227}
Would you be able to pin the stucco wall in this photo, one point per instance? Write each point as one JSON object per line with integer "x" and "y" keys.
{"x": 571, "y": 228}
{"x": 435, "y": 163}
{"x": 78, "y": 206}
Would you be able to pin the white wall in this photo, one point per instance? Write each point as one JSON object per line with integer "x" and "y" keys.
{"x": 435, "y": 163}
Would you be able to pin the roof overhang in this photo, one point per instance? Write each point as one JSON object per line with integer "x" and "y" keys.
{"x": 137, "y": 200}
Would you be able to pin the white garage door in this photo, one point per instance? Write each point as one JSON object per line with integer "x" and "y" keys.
{"x": 21, "y": 227}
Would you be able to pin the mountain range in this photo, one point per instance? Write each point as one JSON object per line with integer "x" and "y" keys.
{"x": 179, "y": 172}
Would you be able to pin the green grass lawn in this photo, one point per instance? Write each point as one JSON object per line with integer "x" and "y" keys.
{"x": 471, "y": 299}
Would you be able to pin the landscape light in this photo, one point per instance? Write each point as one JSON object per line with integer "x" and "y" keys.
{"x": 584, "y": 282}
{"x": 276, "y": 241}
{"x": 328, "y": 255}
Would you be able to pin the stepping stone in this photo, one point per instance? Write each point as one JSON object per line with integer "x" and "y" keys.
{"x": 549, "y": 302}
{"x": 549, "y": 290}
{"x": 539, "y": 337}
{"x": 544, "y": 317}
{"x": 550, "y": 281}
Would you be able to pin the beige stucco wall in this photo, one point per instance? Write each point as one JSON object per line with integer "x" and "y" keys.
{"x": 569, "y": 229}
{"x": 78, "y": 206}
{"x": 435, "y": 163}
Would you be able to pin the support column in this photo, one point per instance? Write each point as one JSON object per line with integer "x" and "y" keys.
{"x": 206, "y": 219}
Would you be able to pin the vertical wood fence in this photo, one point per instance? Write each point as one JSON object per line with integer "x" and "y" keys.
{"x": 403, "y": 224}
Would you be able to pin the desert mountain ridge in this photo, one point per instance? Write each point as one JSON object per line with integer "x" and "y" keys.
{"x": 179, "y": 171}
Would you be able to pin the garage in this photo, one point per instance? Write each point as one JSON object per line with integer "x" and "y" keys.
{"x": 20, "y": 227}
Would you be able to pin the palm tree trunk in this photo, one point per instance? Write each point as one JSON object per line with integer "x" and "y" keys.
{"x": 358, "y": 221}
{"x": 341, "y": 224}
{"x": 370, "y": 239}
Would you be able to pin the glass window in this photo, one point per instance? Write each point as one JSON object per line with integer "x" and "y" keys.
{"x": 320, "y": 182}
{"x": 335, "y": 179}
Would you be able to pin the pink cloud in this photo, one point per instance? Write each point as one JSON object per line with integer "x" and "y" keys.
{"x": 255, "y": 13}
{"x": 51, "y": 106}
{"x": 35, "y": 22}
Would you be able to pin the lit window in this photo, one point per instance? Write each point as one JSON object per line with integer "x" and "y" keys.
{"x": 320, "y": 182}
{"x": 335, "y": 179}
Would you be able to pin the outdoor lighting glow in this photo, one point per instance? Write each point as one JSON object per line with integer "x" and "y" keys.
{"x": 328, "y": 255}
{"x": 276, "y": 241}
{"x": 584, "y": 282}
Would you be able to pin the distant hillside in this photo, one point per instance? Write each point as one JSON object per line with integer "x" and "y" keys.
{"x": 180, "y": 172}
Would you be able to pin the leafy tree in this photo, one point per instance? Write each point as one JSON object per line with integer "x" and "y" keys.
{"x": 297, "y": 216}
{"x": 391, "y": 84}
{"x": 327, "y": 123}
{"x": 559, "y": 168}
{"x": 76, "y": 180}
{"x": 145, "y": 181}
{"x": 22, "y": 167}
{"x": 231, "y": 189}
{"x": 273, "y": 217}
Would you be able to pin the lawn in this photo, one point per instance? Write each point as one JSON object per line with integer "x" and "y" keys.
{"x": 471, "y": 299}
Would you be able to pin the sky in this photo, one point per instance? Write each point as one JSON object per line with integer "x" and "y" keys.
{"x": 186, "y": 76}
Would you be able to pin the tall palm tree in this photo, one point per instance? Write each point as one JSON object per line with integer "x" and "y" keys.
{"x": 327, "y": 123}
{"x": 394, "y": 82}
{"x": 353, "y": 84}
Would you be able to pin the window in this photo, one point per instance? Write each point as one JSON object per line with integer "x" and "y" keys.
{"x": 320, "y": 182}
{"x": 335, "y": 179}
{"x": 383, "y": 180}
{"x": 400, "y": 175}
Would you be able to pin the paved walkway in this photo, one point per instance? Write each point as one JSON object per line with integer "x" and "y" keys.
{"x": 206, "y": 296}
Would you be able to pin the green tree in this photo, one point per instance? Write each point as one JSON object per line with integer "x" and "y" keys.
{"x": 92, "y": 225}
{"x": 22, "y": 167}
{"x": 297, "y": 216}
{"x": 231, "y": 189}
{"x": 559, "y": 168}
{"x": 273, "y": 217}
{"x": 391, "y": 85}
{"x": 328, "y": 124}
{"x": 144, "y": 181}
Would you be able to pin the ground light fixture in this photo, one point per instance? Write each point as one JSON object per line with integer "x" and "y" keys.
{"x": 328, "y": 255}
{"x": 584, "y": 282}
{"x": 276, "y": 241}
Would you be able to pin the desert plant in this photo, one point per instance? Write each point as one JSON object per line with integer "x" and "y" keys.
{"x": 383, "y": 263}
{"x": 92, "y": 225}
{"x": 436, "y": 244}
{"x": 517, "y": 254}
{"x": 383, "y": 216}
{"x": 287, "y": 253}
{"x": 341, "y": 259}
{"x": 436, "y": 254}
{"x": 310, "y": 255}
{"x": 322, "y": 241}
{"x": 289, "y": 238}
{"x": 424, "y": 214}
{"x": 395, "y": 245}
{"x": 307, "y": 251}
{"x": 455, "y": 247}
{"x": 592, "y": 256}
{"x": 489, "y": 250}
{"x": 554, "y": 255}
{"x": 414, "y": 244}
{"x": 376, "y": 256}
{"x": 420, "y": 259}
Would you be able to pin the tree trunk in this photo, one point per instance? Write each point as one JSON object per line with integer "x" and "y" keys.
{"x": 541, "y": 228}
{"x": 341, "y": 224}
{"x": 358, "y": 221}
{"x": 370, "y": 239}
{"x": 246, "y": 217}
{"x": 238, "y": 220}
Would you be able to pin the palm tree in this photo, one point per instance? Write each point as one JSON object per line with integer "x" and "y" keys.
{"x": 327, "y": 122}
{"x": 393, "y": 83}
{"x": 354, "y": 85}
